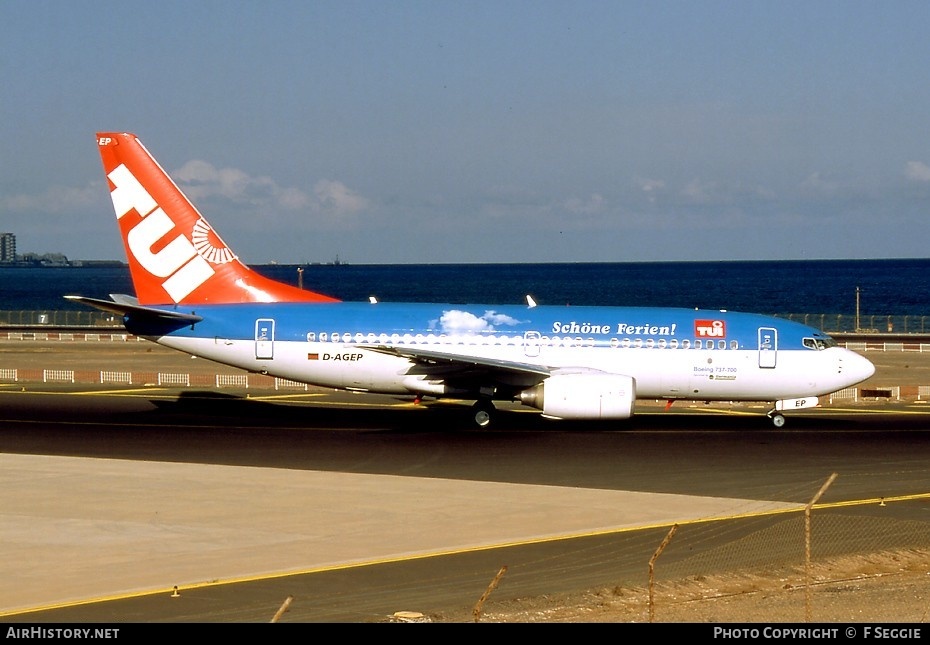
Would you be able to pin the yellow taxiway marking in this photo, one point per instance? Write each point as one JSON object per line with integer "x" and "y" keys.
{"x": 177, "y": 590}
{"x": 683, "y": 409}
{"x": 283, "y": 397}
{"x": 132, "y": 392}
{"x": 118, "y": 392}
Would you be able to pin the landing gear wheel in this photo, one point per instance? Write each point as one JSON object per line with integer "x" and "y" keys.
{"x": 778, "y": 420}
{"x": 483, "y": 413}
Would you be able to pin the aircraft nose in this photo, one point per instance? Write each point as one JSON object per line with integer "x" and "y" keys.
{"x": 856, "y": 367}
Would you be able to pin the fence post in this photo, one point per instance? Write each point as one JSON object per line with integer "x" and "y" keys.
{"x": 491, "y": 587}
{"x": 652, "y": 562}
{"x": 807, "y": 545}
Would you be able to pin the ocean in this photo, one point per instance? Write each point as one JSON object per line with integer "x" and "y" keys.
{"x": 898, "y": 287}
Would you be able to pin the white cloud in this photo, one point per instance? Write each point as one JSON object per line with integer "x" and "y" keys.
{"x": 55, "y": 200}
{"x": 500, "y": 319}
{"x": 592, "y": 204}
{"x": 817, "y": 183}
{"x": 294, "y": 199}
{"x": 697, "y": 191}
{"x": 650, "y": 187}
{"x": 458, "y": 321}
{"x": 335, "y": 197}
{"x": 201, "y": 180}
{"x": 917, "y": 171}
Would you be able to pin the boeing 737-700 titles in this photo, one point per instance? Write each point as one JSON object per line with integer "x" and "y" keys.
{"x": 193, "y": 294}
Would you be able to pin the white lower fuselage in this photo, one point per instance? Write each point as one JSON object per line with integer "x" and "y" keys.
{"x": 705, "y": 375}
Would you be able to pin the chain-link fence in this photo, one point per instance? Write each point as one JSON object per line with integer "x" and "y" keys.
{"x": 872, "y": 323}
{"x": 784, "y": 568}
{"x": 12, "y": 318}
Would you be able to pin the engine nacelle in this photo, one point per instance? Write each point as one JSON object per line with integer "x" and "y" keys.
{"x": 583, "y": 396}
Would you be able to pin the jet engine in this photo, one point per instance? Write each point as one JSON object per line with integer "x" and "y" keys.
{"x": 583, "y": 396}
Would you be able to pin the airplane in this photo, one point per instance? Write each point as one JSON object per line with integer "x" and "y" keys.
{"x": 194, "y": 294}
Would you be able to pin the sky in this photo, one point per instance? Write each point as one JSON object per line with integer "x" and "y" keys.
{"x": 479, "y": 131}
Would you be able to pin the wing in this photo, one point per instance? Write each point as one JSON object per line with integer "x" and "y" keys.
{"x": 427, "y": 357}
{"x": 468, "y": 371}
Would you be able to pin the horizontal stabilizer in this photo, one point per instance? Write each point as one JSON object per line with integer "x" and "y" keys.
{"x": 124, "y": 299}
{"x": 123, "y": 305}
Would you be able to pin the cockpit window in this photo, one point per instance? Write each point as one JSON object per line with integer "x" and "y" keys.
{"x": 819, "y": 343}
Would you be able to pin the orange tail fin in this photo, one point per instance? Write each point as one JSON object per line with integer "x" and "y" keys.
{"x": 174, "y": 255}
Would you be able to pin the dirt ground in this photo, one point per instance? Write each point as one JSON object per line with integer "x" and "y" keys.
{"x": 891, "y": 587}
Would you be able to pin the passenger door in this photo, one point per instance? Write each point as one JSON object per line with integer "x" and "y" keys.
{"x": 768, "y": 347}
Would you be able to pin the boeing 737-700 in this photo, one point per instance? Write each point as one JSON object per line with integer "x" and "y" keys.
{"x": 193, "y": 294}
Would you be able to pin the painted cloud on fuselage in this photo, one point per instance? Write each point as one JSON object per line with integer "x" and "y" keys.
{"x": 458, "y": 321}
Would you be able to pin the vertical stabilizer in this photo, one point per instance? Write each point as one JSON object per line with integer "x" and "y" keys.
{"x": 174, "y": 255}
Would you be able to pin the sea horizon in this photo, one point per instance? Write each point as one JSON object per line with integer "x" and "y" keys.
{"x": 889, "y": 286}
{"x": 93, "y": 263}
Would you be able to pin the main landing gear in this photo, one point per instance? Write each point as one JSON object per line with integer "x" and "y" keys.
{"x": 483, "y": 413}
{"x": 778, "y": 420}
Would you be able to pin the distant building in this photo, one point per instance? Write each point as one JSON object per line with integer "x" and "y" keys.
{"x": 7, "y": 247}
{"x": 44, "y": 259}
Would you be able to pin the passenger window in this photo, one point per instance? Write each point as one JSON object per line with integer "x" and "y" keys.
{"x": 686, "y": 344}
{"x": 734, "y": 344}
{"x": 311, "y": 337}
{"x": 721, "y": 344}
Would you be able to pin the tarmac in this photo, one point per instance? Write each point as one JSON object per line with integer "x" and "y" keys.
{"x": 74, "y": 530}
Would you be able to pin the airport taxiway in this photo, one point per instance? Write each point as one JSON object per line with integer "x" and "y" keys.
{"x": 111, "y": 499}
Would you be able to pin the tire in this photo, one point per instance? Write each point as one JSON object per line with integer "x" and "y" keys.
{"x": 482, "y": 414}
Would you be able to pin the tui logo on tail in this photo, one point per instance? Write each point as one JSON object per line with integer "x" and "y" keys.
{"x": 174, "y": 255}
{"x": 178, "y": 262}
